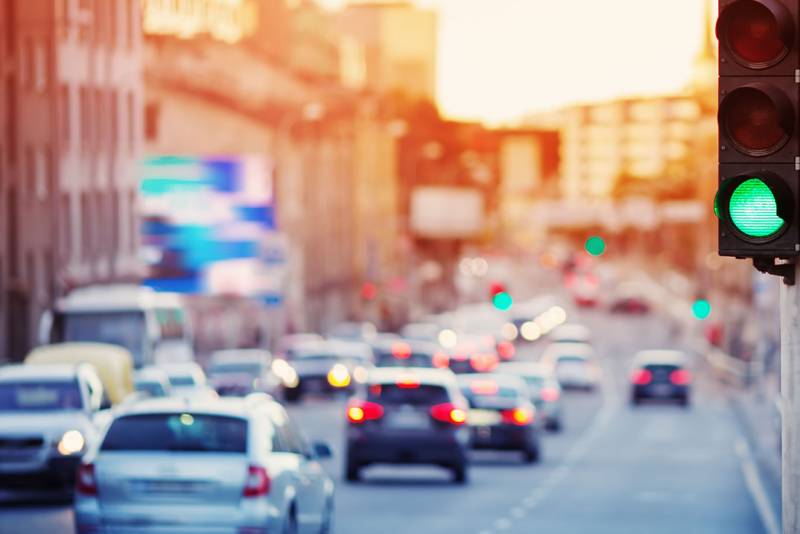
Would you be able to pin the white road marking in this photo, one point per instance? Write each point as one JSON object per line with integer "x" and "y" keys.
{"x": 518, "y": 512}
{"x": 502, "y": 524}
{"x": 756, "y": 488}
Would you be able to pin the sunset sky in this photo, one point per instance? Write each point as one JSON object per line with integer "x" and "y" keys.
{"x": 499, "y": 59}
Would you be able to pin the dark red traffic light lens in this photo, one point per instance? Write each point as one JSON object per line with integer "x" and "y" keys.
{"x": 754, "y": 121}
{"x": 758, "y": 36}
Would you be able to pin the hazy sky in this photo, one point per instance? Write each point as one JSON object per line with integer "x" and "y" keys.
{"x": 499, "y": 59}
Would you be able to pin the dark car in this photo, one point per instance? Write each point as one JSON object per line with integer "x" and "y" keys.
{"x": 660, "y": 374}
{"x": 327, "y": 367}
{"x": 408, "y": 416}
{"x": 544, "y": 390}
{"x": 476, "y": 354}
{"x": 409, "y": 353}
{"x": 501, "y": 415}
{"x": 630, "y": 304}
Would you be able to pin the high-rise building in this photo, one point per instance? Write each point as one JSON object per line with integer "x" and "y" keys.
{"x": 400, "y": 44}
{"x": 71, "y": 146}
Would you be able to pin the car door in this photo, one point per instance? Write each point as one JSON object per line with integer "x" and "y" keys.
{"x": 311, "y": 486}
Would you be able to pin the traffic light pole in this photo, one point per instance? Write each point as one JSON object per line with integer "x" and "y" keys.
{"x": 790, "y": 406}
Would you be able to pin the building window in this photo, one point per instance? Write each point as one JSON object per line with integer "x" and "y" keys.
{"x": 12, "y": 211}
{"x": 64, "y": 18}
{"x": 66, "y": 225}
{"x": 65, "y": 110}
{"x": 113, "y": 108}
{"x": 152, "y": 112}
{"x": 11, "y": 119}
{"x": 99, "y": 116}
{"x": 39, "y": 77}
{"x": 85, "y": 17}
{"x": 132, "y": 122}
{"x": 87, "y": 241}
{"x": 86, "y": 118}
{"x": 113, "y": 13}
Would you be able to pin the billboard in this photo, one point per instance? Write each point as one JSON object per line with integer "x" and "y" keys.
{"x": 442, "y": 212}
{"x": 208, "y": 225}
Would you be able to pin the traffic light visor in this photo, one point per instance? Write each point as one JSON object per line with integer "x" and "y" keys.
{"x": 753, "y": 209}
{"x": 758, "y": 33}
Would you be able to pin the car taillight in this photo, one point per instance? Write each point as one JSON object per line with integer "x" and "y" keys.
{"x": 360, "y": 411}
{"x": 401, "y": 351}
{"x": 85, "y": 480}
{"x": 680, "y": 377}
{"x": 257, "y": 483}
{"x": 441, "y": 360}
{"x": 641, "y": 377}
{"x": 408, "y": 382}
{"x": 549, "y": 394}
{"x": 483, "y": 363}
{"x": 517, "y": 416}
{"x": 506, "y": 350}
{"x": 449, "y": 413}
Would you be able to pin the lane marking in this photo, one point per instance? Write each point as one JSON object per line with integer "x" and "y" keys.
{"x": 502, "y": 524}
{"x": 755, "y": 487}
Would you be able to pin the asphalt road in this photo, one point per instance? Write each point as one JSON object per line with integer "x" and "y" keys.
{"x": 613, "y": 469}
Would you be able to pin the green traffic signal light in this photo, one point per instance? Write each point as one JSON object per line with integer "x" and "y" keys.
{"x": 595, "y": 246}
{"x": 753, "y": 209}
{"x": 502, "y": 301}
{"x": 701, "y": 309}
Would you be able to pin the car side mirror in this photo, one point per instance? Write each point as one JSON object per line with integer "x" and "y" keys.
{"x": 322, "y": 450}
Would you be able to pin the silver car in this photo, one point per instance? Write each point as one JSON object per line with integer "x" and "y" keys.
{"x": 234, "y": 465}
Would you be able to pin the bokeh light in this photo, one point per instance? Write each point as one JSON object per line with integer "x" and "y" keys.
{"x": 595, "y": 246}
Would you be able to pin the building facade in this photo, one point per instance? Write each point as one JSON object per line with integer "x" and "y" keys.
{"x": 72, "y": 98}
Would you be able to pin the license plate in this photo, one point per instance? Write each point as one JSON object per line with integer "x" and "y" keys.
{"x": 407, "y": 420}
{"x": 168, "y": 486}
{"x": 482, "y": 418}
{"x": 314, "y": 385}
{"x": 662, "y": 390}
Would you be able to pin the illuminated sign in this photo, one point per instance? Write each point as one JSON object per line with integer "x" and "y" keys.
{"x": 225, "y": 20}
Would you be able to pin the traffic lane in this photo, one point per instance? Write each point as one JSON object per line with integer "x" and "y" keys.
{"x": 34, "y": 513}
{"x": 656, "y": 468}
{"x": 423, "y": 497}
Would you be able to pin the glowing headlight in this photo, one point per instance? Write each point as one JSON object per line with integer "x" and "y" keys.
{"x": 71, "y": 442}
{"x": 290, "y": 379}
{"x": 360, "y": 374}
{"x": 339, "y": 376}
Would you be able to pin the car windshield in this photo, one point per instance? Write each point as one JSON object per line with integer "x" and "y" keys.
{"x": 126, "y": 329}
{"x": 153, "y": 389}
{"x": 415, "y": 359}
{"x": 39, "y": 396}
{"x": 173, "y": 432}
{"x": 245, "y": 368}
{"x": 571, "y": 359}
{"x": 421, "y": 395}
{"x": 182, "y": 380}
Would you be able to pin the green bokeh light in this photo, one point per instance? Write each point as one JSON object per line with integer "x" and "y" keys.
{"x": 701, "y": 309}
{"x": 595, "y": 245}
{"x": 753, "y": 209}
{"x": 502, "y": 301}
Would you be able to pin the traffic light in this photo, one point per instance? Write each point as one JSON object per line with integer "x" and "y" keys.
{"x": 759, "y": 142}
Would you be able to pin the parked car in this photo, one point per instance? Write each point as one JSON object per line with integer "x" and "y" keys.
{"x": 233, "y": 465}
{"x": 543, "y": 388}
{"x": 327, "y": 367}
{"x": 407, "y": 416}
{"x": 660, "y": 374}
{"x": 46, "y": 422}
{"x": 243, "y": 371}
{"x": 501, "y": 415}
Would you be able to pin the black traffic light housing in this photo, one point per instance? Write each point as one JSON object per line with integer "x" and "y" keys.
{"x": 759, "y": 133}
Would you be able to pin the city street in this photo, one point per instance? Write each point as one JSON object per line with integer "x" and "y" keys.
{"x": 613, "y": 469}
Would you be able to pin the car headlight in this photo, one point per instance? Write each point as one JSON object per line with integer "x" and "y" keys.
{"x": 71, "y": 442}
{"x": 339, "y": 376}
{"x": 360, "y": 374}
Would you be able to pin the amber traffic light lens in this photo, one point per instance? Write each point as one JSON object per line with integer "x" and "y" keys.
{"x": 753, "y": 121}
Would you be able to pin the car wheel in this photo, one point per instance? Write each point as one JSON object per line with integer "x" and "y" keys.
{"x": 293, "y": 394}
{"x": 290, "y": 526}
{"x": 531, "y": 454}
{"x": 553, "y": 425}
{"x": 460, "y": 474}
{"x": 352, "y": 471}
{"x": 327, "y": 520}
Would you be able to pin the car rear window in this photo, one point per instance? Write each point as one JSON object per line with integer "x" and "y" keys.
{"x": 422, "y": 395}
{"x": 415, "y": 359}
{"x": 177, "y": 432}
{"x": 499, "y": 397}
{"x": 571, "y": 359}
{"x": 182, "y": 380}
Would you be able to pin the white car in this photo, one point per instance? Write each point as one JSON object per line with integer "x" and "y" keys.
{"x": 47, "y": 422}
{"x": 573, "y": 365}
{"x": 232, "y": 465}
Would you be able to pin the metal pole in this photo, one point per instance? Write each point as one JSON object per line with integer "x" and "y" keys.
{"x": 790, "y": 406}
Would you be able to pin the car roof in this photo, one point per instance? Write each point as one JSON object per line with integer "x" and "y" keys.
{"x": 672, "y": 357}
{"x": 230, "y": 406}
{"x": 151, "y": 373}
{"x": 54, "y": 371}
{"x": 502, "y": 379}
{"x": 239, "y": 355}
{"x": 384, "y": 375}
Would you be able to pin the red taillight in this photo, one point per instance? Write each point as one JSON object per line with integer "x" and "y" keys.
{"x": 680, "y": 377}
{"x": 408, "y": 382}
{"x": 483, "y": 363}
{"x": 449, "y": 413}
{"x": 549, "y": 394}
{"x": 517, "y": 416}
{"x": 484, "y": 387}
{"x": 641, "y": 377}
{"x": 401, "y": 351}
{"x": 759, "y": 35}
{"x": 257, "y": 483}
{"x": 441, "y": 360}
{"x": 360, "y": 411}
{"x": 506, "y": 350}
{"x": 85, "y": 480}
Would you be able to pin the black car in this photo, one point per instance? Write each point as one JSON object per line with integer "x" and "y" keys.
{"x": 660, "y": 374}
{"x": 408, "y": 416}
{"x": 327, "y": 367}
{"x": 501, "y": 415}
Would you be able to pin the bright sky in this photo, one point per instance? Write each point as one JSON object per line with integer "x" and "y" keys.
{"x": 500, "y": 59}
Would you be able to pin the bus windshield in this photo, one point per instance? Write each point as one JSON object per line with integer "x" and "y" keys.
{"x": 126, "y": 329}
